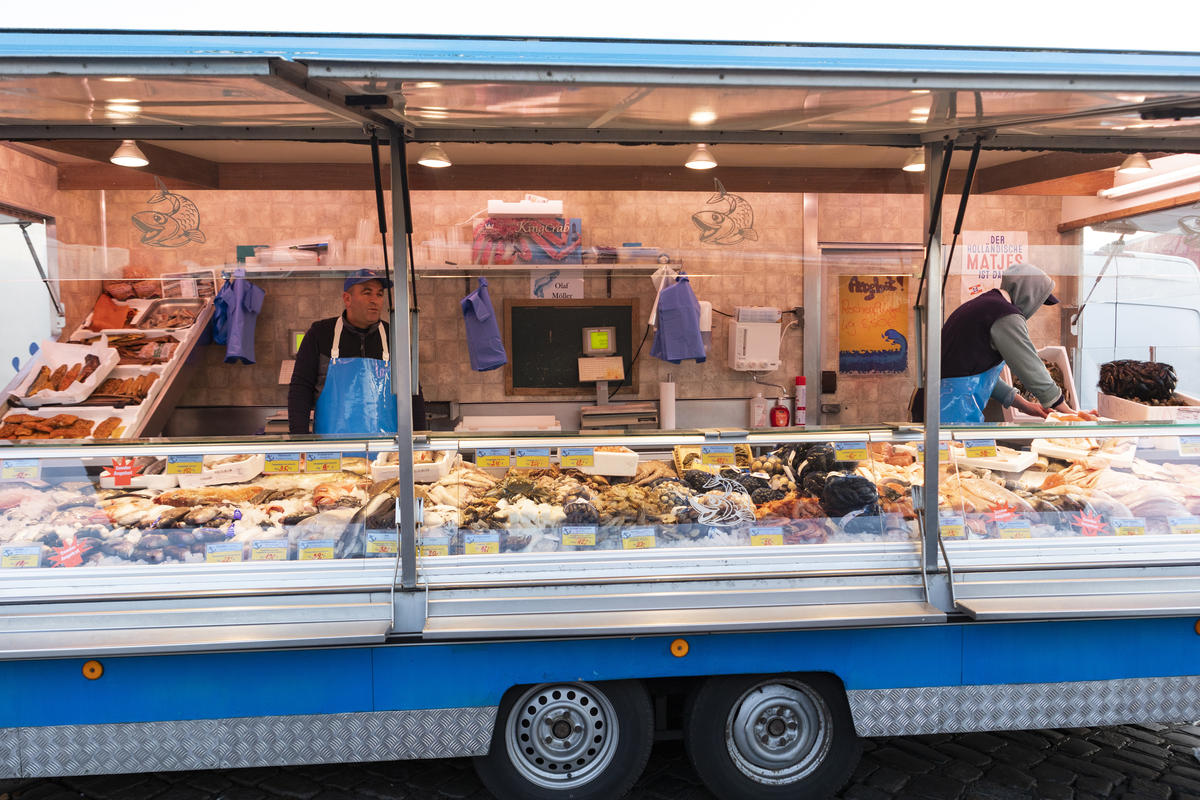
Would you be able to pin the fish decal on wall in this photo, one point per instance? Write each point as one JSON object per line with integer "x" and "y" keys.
{"x": 732, "y": 223}
{"x": 177, "y": 226}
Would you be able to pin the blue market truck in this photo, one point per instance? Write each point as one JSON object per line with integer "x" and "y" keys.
{"x": 524, "y": 572}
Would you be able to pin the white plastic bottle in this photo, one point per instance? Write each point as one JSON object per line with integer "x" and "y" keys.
{"x": 758, "y": 411}
{"x": 801, "y": 402}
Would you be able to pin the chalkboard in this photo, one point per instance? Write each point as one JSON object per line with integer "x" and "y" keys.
{"x": 544, "y": 339}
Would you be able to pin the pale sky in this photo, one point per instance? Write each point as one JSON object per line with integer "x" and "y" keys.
{"x": 1161, "y": 25}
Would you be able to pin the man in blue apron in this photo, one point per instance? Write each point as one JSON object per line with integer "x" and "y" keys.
{"x": 986, "y": 332}
{"x": 343, "y": 365}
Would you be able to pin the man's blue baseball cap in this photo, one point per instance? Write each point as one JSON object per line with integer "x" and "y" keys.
{"x": 362, "y": 276}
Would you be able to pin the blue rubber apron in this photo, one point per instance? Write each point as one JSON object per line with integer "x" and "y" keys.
{"x": 963, "y": 399}
{"x": 357, "y": 397}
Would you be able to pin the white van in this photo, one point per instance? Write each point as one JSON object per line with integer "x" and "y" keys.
{"x": 1144, "y": 301}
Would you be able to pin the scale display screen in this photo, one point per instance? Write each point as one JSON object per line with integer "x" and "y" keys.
{"x": 599, "y": 341}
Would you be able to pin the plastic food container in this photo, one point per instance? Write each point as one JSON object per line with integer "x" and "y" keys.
{"x": 229, "y": 472}
{"x": 423, "y": 472}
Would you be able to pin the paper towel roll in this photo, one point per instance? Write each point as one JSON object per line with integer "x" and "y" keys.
{"x": 666, "y": 406}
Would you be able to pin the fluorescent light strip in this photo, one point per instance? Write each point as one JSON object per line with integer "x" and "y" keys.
{"x": 1150, "y": 184}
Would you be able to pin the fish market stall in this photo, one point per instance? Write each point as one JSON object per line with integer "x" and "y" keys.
{"x": 710, "y": 497}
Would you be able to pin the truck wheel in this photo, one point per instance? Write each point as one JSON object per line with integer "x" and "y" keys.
{"x": 569, "y": 740}
{"x": 771, "y": 736}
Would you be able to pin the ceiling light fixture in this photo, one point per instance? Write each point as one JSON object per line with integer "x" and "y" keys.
{"x": 123, "y": 108}
{"x": 117, "y": 79}
{"x": 129, "y": 155}
{"x": 915, "y": 161}
{"x": 434, "y": 156}
{"x": 700, "y": 158}
{"x": 1151, "y": 183}
{"x": 702, "y": 117}
{"x": 1134, "y": 164}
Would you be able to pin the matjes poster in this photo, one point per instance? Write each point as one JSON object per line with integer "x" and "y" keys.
{"x": 528, "y": 240}
{"x": 873, "y": 315}
{"x": 986, "y": 254}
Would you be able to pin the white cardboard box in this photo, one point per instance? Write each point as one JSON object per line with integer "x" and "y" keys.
{"x": 1057, "y": 355}
{"x": 1110, "y": 405}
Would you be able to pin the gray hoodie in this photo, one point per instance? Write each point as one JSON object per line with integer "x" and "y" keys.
{"x": 1029, "y": 289}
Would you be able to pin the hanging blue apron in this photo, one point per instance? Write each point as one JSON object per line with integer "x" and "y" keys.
{"x": 357, "y": 398}
{"x": 963, "y": 399}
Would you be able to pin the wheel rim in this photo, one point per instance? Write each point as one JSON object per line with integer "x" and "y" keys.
{"x": 778, "y": 732}
{"x": 561, "y": 735}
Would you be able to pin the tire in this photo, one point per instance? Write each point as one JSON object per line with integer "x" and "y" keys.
{"x": 761, "y": 737}
{"x": 600, "y": 736}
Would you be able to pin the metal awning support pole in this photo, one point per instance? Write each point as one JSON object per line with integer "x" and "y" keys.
{"x": 935, "y": 158}
{"x": 401, "y": 368}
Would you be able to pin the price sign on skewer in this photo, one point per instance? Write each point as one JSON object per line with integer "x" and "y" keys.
{"x": 638, "y": 538}
{"x": 943, "y": 452}
{"x": 1189, "y": 446}
{"x": 850, "y": 451}
{"x": 20, "y": 556}
{"x": 980, "y": 448}
{"x": 952, "y": 526}
{"x": 1184, "y": 525}
{"x": 315, "y": 550}
{"x": 269, "y": 550}
{"x": 432, "y": 546}
{"x": 1128, "y": 526}
{"x": 576, "y": 457}
{"x": 20, "y": 469}
{"x": 478, "y": 544}
{"x": 280, "y": 463}
{"x": 579, "y": 535}
{"x": 491, "y": 458}
{"x": 185, "y": 465}
{"x": 766, "y": 537}
{"x": 533, "y": 458}
{"x": 717, "y": 455}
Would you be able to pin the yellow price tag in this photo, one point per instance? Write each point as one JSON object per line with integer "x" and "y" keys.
{"x": 850, "y": 451}
{"x": 493, "y": 459}
{"x": 316, "y": 550}
{"x": 1184, "y": 525}
{"x": 1128, "y": 526}
{"x": 576, "y": 457}
{"x": 980, "y": 448}
{"x": 20, "y": 556}
{"x": 766, "y": 537}
{"x": 533, "y": 458}
{"x": 1014, "y": 529}
{"x": 184, "y": 465}
{"x": 322, "y": 462}
{"x": 382, "y": 543}
{"x": 579, "y": 536}
{"x": 478, "y": 544}
{"x": 430, "y": 549}
{"x": 269, "y": 550}
{"x": 20, "y": 469}
{"x": 717, "y": 455}
{"x": 1189, "y": 446}
{"x": 943, "y": 452}
{"x": 277, "y": 463}
{"x": 638, "y": 539}
{"x": 952, "y": 526}
{"x": 223, "y": 552}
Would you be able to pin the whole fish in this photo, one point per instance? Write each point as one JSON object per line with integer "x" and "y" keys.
{"x": 732, "y": 225}
{"x": 175, "y": 228}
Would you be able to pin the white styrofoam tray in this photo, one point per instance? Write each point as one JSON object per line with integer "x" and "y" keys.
{"x": 126, "y": 371}
{"x": 232, "y": 472}
{"x": 1055, "y": 448}
{"x": 1016, "y": 463}
{"x": 1110, "y": 405}
{"x": 96, "y": 414}
{"x": 610, "y": 463}
{"x": 51, "y": 354}
{"x": 427, "y": 472}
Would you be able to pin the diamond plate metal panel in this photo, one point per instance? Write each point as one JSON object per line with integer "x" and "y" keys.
{"x": 910, "y": 711}
{"x": 378, "y": 736}
{"x": 125, "y": 747}
{"x": 10, "y": 751}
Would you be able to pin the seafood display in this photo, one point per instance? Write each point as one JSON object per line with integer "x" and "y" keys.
{"x": 170, "y": 314}
{"x": 59, "y": 426}
{"x": 128, "y": 390}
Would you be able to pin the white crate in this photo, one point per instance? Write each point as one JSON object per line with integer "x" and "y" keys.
{"x": 1054, "y": 354}
{"x": 232, "y": 472}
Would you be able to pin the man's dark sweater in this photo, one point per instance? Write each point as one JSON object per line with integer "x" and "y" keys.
{"x": 312, "y": 361}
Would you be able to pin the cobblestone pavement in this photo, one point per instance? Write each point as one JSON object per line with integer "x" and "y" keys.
{"x": 1129, "y": 762}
